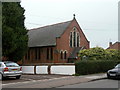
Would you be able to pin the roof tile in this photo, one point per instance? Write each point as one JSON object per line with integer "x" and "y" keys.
{"x": 46, "y": 36}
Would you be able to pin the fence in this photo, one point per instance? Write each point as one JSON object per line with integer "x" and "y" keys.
{"x": 62, "y": 69}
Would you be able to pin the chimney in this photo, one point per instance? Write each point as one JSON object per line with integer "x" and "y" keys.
{"x": 110, "y": 44}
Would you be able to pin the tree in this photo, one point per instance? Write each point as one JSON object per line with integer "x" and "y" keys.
{"x": 93, "y": 53}
{"x": 14, "y": 33}
{"x": 98, "y": 53}
{"x": 112, "y": 54}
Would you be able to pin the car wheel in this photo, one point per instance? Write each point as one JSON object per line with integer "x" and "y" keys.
{"x": 0, "y": 76}
{"x": 108, "y": 76}
{"x": 18, "y": 77}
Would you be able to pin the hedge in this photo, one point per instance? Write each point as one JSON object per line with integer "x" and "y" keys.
{"x": 92, "y": 66}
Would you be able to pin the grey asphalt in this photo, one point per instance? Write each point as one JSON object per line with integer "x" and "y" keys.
{"x": 26, "y": 77}
{"x": 55, "y": 82}
{"x": 105, "y": 83}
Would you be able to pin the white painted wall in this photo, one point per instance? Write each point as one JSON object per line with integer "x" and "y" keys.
{"x": 41, "y": 70}
{"x": 55, "y": 69}
{"x": 63, "y": 69}
{"x": 28, "y": 69}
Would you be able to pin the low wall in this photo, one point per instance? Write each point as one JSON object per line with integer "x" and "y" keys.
{"x": 28, "y": 69}
{"x": 49, "y": 69}
{"x": 63, "y": 69}
{"x": 41, "y": 69}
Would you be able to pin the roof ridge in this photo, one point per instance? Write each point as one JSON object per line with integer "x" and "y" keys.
{"x": 49, "y": 25}
{"x": 116, "y": 42}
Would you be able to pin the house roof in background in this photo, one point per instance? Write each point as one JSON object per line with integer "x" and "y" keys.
{"x": 115, "y": 45}
{"x": 46, "y": 36}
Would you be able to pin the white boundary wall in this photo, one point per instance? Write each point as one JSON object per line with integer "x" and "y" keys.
{"x": 28, "y": 69}
{"x": 41, "y": 70}
{"x": 63, "y": 69}
{"x": 54, "y": 69}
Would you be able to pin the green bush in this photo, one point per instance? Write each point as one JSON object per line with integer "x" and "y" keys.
{"x": 94, "y": 66}
{"x": 98, "y": 53}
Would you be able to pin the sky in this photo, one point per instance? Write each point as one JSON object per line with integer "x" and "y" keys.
{"x": 97, "y": 18}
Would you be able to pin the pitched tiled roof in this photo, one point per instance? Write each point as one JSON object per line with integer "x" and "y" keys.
{"x": 46, "y": 36}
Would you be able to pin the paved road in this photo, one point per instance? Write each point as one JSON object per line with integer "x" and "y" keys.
{"x": 50, "y": 81}
{"x": 105, "y": 83}
{"x": 25, "y": 78}
{"x": 34, "y": 81}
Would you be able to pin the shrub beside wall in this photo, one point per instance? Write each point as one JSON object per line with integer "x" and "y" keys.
{"x": 94, "y": 66}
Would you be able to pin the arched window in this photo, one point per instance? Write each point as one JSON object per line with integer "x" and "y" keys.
{"x": 74, "y": 39}
{"x": 78, "y": 40}
{"x": 71, "y": 39}
{"x": 61, "y": 55}
{"x": 65, "y": 55}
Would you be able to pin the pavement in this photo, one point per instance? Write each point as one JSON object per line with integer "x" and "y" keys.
{"x": 56, "y": 82}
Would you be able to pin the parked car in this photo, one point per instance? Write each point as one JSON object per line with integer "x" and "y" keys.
{"x": 115, "y": 72}
{"x": 10, "y": 69}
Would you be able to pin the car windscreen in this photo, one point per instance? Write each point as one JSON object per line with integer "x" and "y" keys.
{"x": 117, "y": 66}
{"x": 11, "y": 64}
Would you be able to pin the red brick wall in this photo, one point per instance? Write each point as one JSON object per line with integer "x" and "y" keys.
{"x": 43, "y": 58}
{"x": 63, "y": 41}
